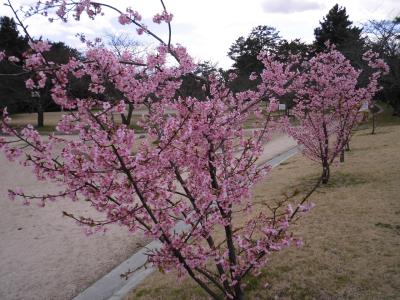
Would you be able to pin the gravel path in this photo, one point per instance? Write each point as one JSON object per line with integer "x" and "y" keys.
{"x": 44, "y": 255}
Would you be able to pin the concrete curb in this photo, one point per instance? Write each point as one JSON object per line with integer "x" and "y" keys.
{"x": 113, "y": 287}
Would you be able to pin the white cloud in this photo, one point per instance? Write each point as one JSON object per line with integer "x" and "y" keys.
{"x": 290, "y": 6}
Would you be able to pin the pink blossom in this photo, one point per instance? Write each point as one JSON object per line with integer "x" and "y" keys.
{"x": 166, "y": 17}
{"x": 30, "y": 84}
{"x": 140, "y": 30}
{"x": 134, "y": 14}
{"x": 273, "y": 105}
{"x": 232, "y": 76}
{"x": 40, "y": 46}
{"x": 124, "y": 19}
{"x": 253, "y": 76}
{"x": 13, "y": 59}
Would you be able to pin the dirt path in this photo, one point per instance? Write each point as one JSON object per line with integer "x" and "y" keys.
{"x": 46, "y": 256}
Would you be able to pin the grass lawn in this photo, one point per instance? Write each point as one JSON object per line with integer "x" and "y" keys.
{"x": 351, "y": 238}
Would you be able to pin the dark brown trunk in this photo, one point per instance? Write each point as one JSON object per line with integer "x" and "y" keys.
{"x": 373, "y": 118}
{"x": 325, "y": 163}
{"x": 325, "y": 173}
{"x": 238, "y": 292}
{"x": 128, "y": 118}
{"x": 40, "y": 116}
{"x": 342, "y": 156}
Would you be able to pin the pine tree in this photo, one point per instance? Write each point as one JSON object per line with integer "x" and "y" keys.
{"x": 10, "y": 39}
{"x": 337, "y": 29}
{"x": 245, "y": 50}
{"x": 13, "y": 93}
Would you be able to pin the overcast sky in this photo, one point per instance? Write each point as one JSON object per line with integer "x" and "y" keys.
{"x": 208, "y": 27}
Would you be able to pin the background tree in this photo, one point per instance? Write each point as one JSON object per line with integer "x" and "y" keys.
{"x": 193, "y": 84}
{"x": 123, "y": 42}
{"x": 13, "y": 93}
{"x": 287, "y": 48}
{"x": 384, "y": 38}
{"x": 59, "y": 53}
{"x": 338, "y": 30}
{"x": 10, "y": 39}
{"x": 284, "y": 52}
{"x": 328, "y": 98}
{"x": 244, "y": 53}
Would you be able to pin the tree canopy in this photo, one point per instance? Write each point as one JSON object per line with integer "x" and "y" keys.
{"x": 13, "y": 92}
{"x": 244, "y": 51}
{"x": 10, "y": 40}
{"x": 12, "y": 88}
{"x": 384, "y": 38}
{"x": 337, "y": 29}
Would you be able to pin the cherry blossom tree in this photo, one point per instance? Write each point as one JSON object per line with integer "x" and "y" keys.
{"x": 196, "y": 166}
{"x": 328, "y": 99}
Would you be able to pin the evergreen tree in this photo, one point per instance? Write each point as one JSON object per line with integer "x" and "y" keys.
{"x": 244, "y": 53}
{"x": 337, "y": 29}
{"x": 13, "y": 93}
{"x": 10, "y": 40}
{"x": 296, "y": 47}
{"x": 245, "y": 50}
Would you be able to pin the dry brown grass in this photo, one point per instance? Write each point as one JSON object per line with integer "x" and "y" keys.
{"x": 51, "y": 120}
{"x": 351, "y": 238}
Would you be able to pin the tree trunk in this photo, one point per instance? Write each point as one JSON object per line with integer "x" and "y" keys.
{"x": 342, "y": 156}
{"x": 238, "y": 292}
{"x": 325, "y": 155}
{"x": 373, "y": 123}
{"x": 325, "y": 173}
{"x": 40, "y": 116}
{"x": 396, "y": 108}
{"x": 347, "y": 146}
{"x": 126, "y": 120}
{"x": 373, "y": 118}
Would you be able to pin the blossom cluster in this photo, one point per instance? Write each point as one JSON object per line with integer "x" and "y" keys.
{"x": 163, "y": 17}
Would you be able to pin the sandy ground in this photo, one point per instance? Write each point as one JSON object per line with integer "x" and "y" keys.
{"x": 44, "y": 255}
